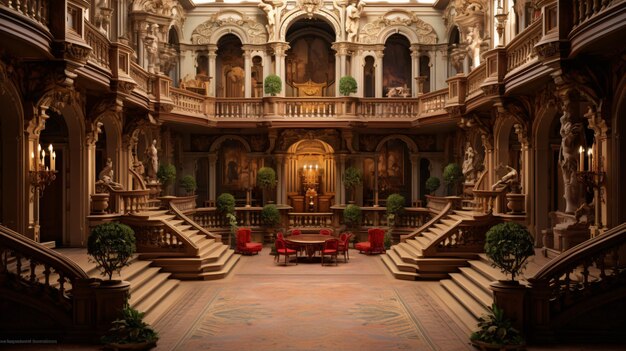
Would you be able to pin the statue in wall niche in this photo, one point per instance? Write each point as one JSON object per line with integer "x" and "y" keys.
{"x": 474, "y": 42}
{"x": 568, "y": 159}
{"x": 353, "y": 15}
{"x": 106, "y": 176}
{"x": 510, "y": 179}
{"x": 469, "y": 171}
{"x": 270, "y": 11}
{"x": 151, "y": 42}
{"x": 152, "y": 161}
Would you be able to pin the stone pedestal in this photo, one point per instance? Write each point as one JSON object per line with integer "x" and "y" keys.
{"x": 568, "y": 233}
{"x": 110, "y": 300}
{"x": 511, "y": 297}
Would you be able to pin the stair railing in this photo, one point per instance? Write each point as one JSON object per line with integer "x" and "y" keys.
{"x": 163, "y": 240}
{"x": 435, "y": 219}
{"x": 181, "y": 216}
{"x": 575, "y": 277}
{"x": 31, "y": 273}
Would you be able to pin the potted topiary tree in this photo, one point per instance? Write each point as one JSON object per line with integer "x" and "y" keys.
{"x": 111, "y": 245}
{"x": 270, "y": 218}
{"x": 225, "y": 205}
{"x": 508, "y": 246}
{"x": 432, "y": 184}
{"x": 272, "y": 84}
{"x": 347, "y": 85}
{"x": 496, "y": 332}
{"x": 266, "y": 180}
{"x": 352, "y": 178}
{"x": 189, "y": 184}
{"x": 352, "y": 219}
{"x": 395, "y": 207}
{"x": 130, "y": 332}
{"x": 166, "y": 174}
{"x": 452, "y": 176}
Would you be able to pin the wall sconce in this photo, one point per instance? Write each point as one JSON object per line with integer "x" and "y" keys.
{"x": 41, "y": 175}
{"x": 501, "y": 17}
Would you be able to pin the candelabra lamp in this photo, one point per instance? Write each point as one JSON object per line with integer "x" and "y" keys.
{"x": 40, "y": 175}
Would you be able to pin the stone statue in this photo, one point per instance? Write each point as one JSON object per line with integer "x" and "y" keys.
{"x": 270, "y": 10}
{"x": 353, "y": 14}
{"x": 510, "y": 179}
{"x": 106, "y": 176}
{"x": 469, "y": 171}
{"x": 152, "y": 161}
{"x": 473, "y": 45}
{"x": 568, "y": 159}
{"x": 152, "y": 48}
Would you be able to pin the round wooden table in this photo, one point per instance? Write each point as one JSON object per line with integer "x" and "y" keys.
{"x": 310, "y": 242}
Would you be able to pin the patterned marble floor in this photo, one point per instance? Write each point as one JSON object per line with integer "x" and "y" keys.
{"x": 354, "y": 306}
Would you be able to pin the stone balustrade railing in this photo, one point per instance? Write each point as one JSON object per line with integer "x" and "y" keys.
{"x": 100, "y": 46}
{"x": 521, "y": 49}
{"x": 209, "y": 218}
{"x": 413, "y": 217}
{"x": 308, "y": 220}
{"x": 583, "y": 10}
{"x": 475, "y": 78}
{"x": 434, "y": 102}
{"x": 37, "y": 10}
{"x": 389, "y": 108}
{"x": 188, "y": 102}
{"x": 141, "y": 77}
{"x": 238, "y": 108}
{"x": 248, "y": 216}
{"x": 185, "y": 204}
{"x": 131, "y": 201}
{"x": 161, "y": 240}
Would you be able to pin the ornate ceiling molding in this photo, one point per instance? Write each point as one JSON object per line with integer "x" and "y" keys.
{"x": 372, "y": 33}
{"x": 251, "y": 31}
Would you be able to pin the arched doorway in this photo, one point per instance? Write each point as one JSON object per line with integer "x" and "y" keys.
{"x": 548, "y": 183}
{"x": 230, "y": 67}
{"x": 369, "y": 77}
{"x": 396, "y": 64}
{"x": 311, "y": 176}
{"x": 310, "y": 61}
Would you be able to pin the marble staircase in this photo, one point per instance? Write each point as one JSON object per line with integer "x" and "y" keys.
{"x": 407, "y": 260}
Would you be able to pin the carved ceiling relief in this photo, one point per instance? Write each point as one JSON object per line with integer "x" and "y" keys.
{"x": 257, "y": 33}
{"x": 426, "y": 34}
{"x": 290, "y": 136}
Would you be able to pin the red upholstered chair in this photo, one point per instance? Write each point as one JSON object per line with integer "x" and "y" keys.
{"x": 296, "y": 232}
{"x": 374, "y": 243}
{"x": 325, "y": 232}
{"x": 344, "y": 242}
{"x": 280, "y": 236}
{"x": 244, "y": 246}
{"x": 281, "y": 249}
{"x": 331, "y": 248}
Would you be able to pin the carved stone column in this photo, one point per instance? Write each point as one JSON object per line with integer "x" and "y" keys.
{"x": 341, "y": 55}
{"x": 415, "y": 69}
{"x": 212, "y": 177}
{"x": 415, "y": 178}
{"x": 600, "y": 165}
{"x": 378, "y": 65}
{"x": 247, "y": 67}
{"x": 281, "y": 186}
{"x": 212, "y": 54}
{"x": 280, "y": 52}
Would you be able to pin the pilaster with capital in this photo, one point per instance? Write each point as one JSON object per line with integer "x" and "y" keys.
{"x": 280, "y": 53}
{"x": 212, "y": 54}
{"x": 415, "y": 179}
{"x": 212, "y": 177}
{"x": 247, "y": 66}
{"x": 415, "y": 68}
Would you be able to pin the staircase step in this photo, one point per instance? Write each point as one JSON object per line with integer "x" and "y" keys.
{"x": 400, "y": 263}
{"x": 430, "y": 234}
{"x": 148, "y": 289}
{"x": 136, "y": 267}
{"x": 477, "y": 278}
{"x": 397, "y": 273}
{"x": 458, "y": 217}
{"x": 473, "y": 306}
{"x": 448, "y": 222}
{"x": 212, "y": 252}
{"x": 472, "y": 289}
{"x": 457, "y": 309}
{"x": 143, "y": 278}
{"x": 212, "y": 275}
{"x": 416, "y": 245}
{"x": 406, "y": 252}
{"x": 165, "y": 304}
{"x": 441, "y": 226}
{"x": 157, "y": 295}
{"x": 219, "y": 263}
{"x": 184, "y": 227}
{"x": 423, "y": 241}
{"x": 176, "y": 222}
{"x": 486, "y": 270}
